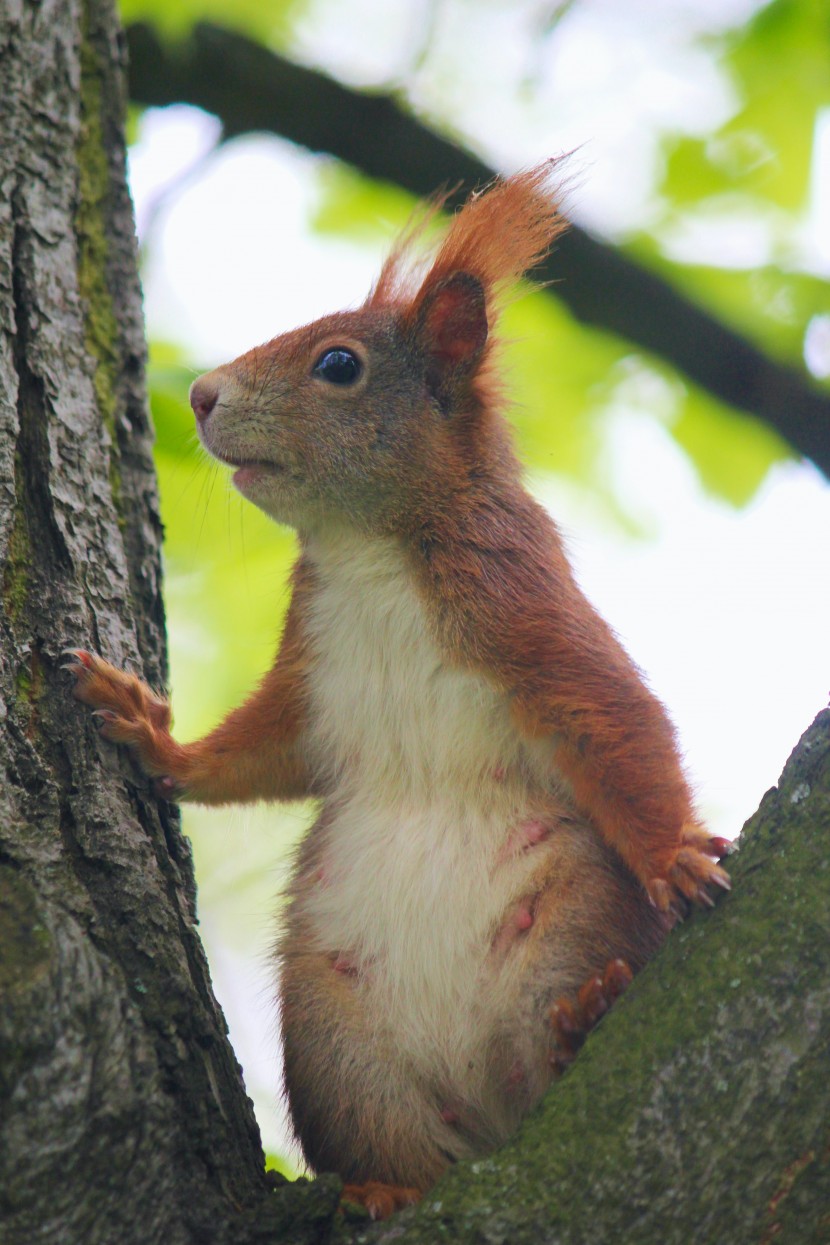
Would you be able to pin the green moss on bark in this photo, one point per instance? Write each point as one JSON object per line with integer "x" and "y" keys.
{"x": 16, "y": 572}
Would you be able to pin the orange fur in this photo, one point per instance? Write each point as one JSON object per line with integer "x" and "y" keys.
{"x": 501, "y": 233}
{"x": 256, "y": 753}
{"x": 504, "y": 811}
{"x": 569, "y": 676}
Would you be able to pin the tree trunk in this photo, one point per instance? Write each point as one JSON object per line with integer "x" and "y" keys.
{"x": 122, "y": 1109}
{"x": 696, "y": 1112}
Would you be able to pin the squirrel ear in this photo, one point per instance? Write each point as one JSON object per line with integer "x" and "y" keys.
{"x": 451, "y": 327}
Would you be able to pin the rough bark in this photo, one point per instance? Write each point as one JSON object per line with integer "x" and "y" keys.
{"x": 698, "y": 1109}
{"x": 251, "y": 88}
{"x": 122, "y": 1112}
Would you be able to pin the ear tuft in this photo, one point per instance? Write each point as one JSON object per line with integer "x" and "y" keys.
{"x": 452, "y": 332}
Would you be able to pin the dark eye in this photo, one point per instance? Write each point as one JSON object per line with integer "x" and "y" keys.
{"x": 338, "y": 367}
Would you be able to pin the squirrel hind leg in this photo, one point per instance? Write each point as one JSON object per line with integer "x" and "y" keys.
{"x": 379, "y": 1199}
{"x": 572, "y": 1021}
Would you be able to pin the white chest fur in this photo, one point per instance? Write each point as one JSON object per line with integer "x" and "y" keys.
{"x": 386, "y": 704}
{"x": 428, "y": 778}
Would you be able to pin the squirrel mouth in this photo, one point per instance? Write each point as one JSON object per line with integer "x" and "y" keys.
{"x": 249, "y": 472}
{"x": 249, "y": 469}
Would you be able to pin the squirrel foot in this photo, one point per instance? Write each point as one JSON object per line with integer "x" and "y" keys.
{"x": 381, "y": 1200}
{"x": 573, "y": 1021}
{"x": 130, "y": 713}
{"x": 690, "y": 871}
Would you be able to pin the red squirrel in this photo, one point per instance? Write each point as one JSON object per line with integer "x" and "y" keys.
{"x": 505, "y": 831}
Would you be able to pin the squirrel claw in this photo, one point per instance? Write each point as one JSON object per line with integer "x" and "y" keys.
{"x": 107, "y": 721}
{"x": 379, "y": 1199}
{"x": 127, "y": 711}
{"x": 690, "y": 872}
{"x": 167, "y": 788}
{"x": 721, "y": 848}
{"x": 79, "y": 666}
{"x": 573, "y": 1021}
{"x": 80, "y": 657}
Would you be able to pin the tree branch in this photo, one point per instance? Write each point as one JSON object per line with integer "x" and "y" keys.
{"x": 251, "y": 88}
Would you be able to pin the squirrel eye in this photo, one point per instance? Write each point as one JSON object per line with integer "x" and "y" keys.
{"x": 338, "y": 366}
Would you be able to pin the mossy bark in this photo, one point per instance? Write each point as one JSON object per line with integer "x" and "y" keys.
{"x": 696, "y": 1112}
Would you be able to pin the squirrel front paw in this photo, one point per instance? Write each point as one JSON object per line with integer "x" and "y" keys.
{"x": 690, "y": 871}
{"x": 129, "y": 713}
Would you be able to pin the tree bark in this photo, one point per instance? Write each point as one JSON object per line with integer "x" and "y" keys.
{"x": 122, "y": 1110}
{"x": 251, "y": 88}
{"x": 698, "y": 1109}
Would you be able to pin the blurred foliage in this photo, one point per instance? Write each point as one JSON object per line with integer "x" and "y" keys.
{"x": 756, "y": 172}
{"x": 268, "y": 20}
{"x": 780, "y": 63}
{"x": 278, "y": 1163}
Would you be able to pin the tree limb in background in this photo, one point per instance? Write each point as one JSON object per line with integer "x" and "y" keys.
{"x": 251, "y": 88}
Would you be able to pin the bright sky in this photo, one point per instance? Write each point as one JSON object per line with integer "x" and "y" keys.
{"x": 726, "y": 610}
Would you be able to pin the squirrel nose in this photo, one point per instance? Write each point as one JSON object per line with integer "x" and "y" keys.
{"x": 204, "y": 394}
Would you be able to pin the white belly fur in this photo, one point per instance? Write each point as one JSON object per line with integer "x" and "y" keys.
{"x": 429, "y": 778}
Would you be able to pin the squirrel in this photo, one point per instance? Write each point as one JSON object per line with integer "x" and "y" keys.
{"x": 505, "y": 830}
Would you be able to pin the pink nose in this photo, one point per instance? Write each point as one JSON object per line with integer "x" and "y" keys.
{"x": 204, "y": 394}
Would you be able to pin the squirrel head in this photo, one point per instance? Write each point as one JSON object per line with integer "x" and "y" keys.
{"x": 376, "y": 417}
